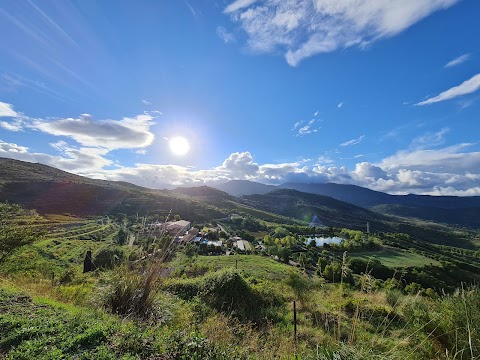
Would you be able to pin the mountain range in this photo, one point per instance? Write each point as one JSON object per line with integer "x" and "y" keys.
{"x": 353, "y": 194}
{"x": 51, "y": 190}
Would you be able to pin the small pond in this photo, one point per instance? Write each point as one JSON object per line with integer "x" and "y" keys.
{"x": 320, "y": 241}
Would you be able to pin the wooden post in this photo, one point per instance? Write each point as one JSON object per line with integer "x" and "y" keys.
{"x": 53, "y": 279}
{"x": 236, "y": 263}
{"x": 295, "y": 326}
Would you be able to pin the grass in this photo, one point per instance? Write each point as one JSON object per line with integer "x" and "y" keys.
{"x": 262, "y": 267}
{"x": 396, "y": 258}
{"x": 333, "y": 322}
{"x": 39, "y": 328}
{"x": 50, "y": 256}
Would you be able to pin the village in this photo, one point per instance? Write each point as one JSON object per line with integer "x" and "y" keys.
{"x": 209, "y": 240}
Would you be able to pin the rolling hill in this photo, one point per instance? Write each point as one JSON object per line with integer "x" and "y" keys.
{"x": 50, "y": 190}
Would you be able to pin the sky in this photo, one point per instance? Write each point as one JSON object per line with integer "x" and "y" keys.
{"x": 165, "y": 93}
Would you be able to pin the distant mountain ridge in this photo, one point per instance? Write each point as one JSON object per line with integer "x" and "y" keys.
{"x": 353, "y": 194}
{"x": 244, "y": 187}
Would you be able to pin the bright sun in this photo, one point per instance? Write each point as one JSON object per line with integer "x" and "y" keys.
{"x": 179, "y": 145}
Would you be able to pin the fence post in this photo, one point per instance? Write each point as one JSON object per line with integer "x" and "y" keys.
{"x": 295, "y": 327}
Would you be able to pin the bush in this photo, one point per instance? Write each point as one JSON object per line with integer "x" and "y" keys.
{"x": 132, "y": 294}
{"x": 228, "y": 292}
{"x": 394, "y": 297}
{"x": 300, "y": 285}
{"x": 108, "y": 257}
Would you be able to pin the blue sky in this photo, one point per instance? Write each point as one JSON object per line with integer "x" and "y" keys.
{"x": 382, "y": 94}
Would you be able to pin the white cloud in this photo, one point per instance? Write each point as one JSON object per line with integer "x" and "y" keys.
{"x": 11, "y": 126}
{"x": 297, "y": 124}
{"x": 16, "y": 121}
{"x": 445, "y": 160}
{"x": 127, "y": 133}
{"x": 238, "y": 4}
{"x": 367, "y": 170}
{"x": 302, "y": 28}
{"x": 239, "y": 164}
{"x": 146, "y": 102}
{"x": 77, "y": 160}
{"x": 325, "y": 160}
{"x": 141, "y": 152}
{"x": 225, "y": 35}
{"x": 457, "y": 61}
{"x": 307, "y": 129}
{"x": 467, "y": 87}
{"x": 340, "y": 105}
{"x": 446, "y": 171}
{"x": 6, "y": 110}
{"x": 429, "y": 139}
{"x": 353, "y": 141}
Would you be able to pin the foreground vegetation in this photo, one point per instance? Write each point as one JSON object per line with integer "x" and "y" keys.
{"x": 381, "y": 296}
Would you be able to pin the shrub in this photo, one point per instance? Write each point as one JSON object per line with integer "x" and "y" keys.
{"x": 228, "y": 292}
{"x": 107, "y": 257}
{"x": 132, "y": 294}
{"x": 394, "y": 296}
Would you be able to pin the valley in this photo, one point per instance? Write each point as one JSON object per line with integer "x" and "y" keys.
{"x": 227, "y": 277}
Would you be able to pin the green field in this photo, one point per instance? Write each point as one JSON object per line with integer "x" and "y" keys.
{"x": 396, "y": 258}
{"x": 251, "y": 265}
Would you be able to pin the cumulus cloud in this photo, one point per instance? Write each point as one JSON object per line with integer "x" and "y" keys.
{"x": 353, "y": 141}
{"x": 467, "y": 87}
{"x": 457, "y": 61}
{"x": 240, "y": 164}
{"x": 130, "y": 132}
{"x": 302, "y": 28}
{"x": 367, "y": 170}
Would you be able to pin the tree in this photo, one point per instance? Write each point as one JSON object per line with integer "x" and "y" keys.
{"x": 281, "y": 232}
{"x": 14, "y": 236}
{"x": 333, "y": 272}
{"x": 300, "y": 285}
{"x": 284, "y": 253}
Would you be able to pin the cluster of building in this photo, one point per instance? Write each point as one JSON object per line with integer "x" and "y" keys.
{"x": 184, "y": 233}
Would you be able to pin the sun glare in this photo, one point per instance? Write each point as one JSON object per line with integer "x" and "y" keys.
{"x": 179, "y": 145}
